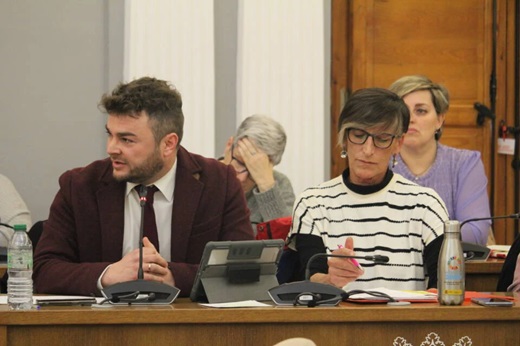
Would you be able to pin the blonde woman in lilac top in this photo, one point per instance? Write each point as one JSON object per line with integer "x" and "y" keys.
{"x": 457, "y": 175}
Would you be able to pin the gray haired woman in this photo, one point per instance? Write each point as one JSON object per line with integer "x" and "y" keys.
{"x": 256, "y": 148}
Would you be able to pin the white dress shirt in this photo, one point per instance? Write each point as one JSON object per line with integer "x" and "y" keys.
{"x": 162, "y": 204}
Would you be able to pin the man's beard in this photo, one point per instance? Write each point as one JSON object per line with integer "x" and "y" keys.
{"x": 145, "y": 171}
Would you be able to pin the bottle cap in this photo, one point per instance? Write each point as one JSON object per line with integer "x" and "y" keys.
{"x": 20, "y": 227}
{"x": 451, "y": 226}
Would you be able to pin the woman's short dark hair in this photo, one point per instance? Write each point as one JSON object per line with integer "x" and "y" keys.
{"x": 373, "y": 107}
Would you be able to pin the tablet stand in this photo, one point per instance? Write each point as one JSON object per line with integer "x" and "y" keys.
{"x": 247, "y": 281}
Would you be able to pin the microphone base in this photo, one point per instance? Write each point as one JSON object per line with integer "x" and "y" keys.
{"x": 158, "y": 293}
{"x": 286, "y": 294}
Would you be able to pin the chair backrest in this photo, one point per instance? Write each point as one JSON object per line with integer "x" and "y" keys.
{"x": 508, "y": 269}
{"x": 289, "y": 267}
{"x": 274, "y": 229}
{"x": 35, "y": 233}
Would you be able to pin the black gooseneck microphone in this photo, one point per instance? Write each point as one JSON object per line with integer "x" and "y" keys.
{"x": 375, "y": 258}
{"x": 140, "y": 291}
{"x": 474, "y": 251}
{"x": 511, "y": 216}
{"x": 143, "y": 192}
{"x": 314, "y": 293}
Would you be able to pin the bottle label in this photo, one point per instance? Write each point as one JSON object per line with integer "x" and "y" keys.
{"x": 454, "y": 263}
{"x": 453, "y": 292}
{"x": 454, "y": 272}
{"x": 19, "y": 260}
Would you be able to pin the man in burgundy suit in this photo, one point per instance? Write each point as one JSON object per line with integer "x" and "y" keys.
{"x": 90, "y": 240}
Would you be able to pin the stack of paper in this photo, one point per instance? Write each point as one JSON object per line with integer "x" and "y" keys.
{"x": 499, "y": 251}
{"x": 407, "y": 296}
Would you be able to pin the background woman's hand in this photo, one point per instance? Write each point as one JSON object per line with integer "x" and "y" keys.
{"x": 227, "y": 151}
{"x": 257, "y": 163}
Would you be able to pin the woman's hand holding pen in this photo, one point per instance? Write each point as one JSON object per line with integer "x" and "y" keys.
{"x": 344, "y": 270}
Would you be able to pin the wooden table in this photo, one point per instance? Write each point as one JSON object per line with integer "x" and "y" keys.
{"x": 482, "y": 276}
{"x": 187, "y": 323}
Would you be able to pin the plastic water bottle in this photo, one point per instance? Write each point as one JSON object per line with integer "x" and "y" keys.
{"x": 20, "y": 269}
{"x": 450, "y": 272}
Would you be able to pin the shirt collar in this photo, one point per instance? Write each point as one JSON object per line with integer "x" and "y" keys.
{"x": 367, "y": 189}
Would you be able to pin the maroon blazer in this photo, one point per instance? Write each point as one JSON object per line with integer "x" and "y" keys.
{"x": 84, "y": 231}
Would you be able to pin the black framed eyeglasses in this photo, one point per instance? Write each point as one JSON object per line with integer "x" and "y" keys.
{"x": 241, "y": 167}
{"x": 359, "y": 136}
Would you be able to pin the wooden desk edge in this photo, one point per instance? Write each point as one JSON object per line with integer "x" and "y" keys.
{"x": 185, "y": 312}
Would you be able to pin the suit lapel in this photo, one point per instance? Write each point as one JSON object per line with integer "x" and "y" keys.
{"x": 111, "y": 202}
{"x": 188, "y": 190}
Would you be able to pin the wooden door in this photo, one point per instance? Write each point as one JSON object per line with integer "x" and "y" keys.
{"x": 374, "y": 42}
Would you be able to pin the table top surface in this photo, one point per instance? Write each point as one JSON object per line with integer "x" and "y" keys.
{"x": 185, "y": 311}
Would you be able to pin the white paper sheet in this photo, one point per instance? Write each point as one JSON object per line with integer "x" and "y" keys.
{"x": 240, "y": 304}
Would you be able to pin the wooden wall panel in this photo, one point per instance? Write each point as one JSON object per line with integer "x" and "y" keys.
{"x": 452, "y": 43}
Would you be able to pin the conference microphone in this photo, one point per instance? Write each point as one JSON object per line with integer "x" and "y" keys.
{"x": 140, "y": 291}
{"x": 512, "y": 216}
{"x": 314, "y": 293}
{"x": 474, "y": 251}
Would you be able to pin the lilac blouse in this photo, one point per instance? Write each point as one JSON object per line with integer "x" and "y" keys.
{"x": 459, "y": 178}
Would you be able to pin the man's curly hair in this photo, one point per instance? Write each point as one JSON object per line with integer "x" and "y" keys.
{"x": 158, "y": 99}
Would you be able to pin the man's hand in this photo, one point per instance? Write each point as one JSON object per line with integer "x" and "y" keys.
{"x": 155, "y": 268}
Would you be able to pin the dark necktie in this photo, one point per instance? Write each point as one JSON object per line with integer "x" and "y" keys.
{"x": 150, "y": 227}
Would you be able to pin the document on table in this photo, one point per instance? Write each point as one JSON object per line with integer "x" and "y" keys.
{"x": 499, "y": 251}
{"x": 409, "y": 296}
{"x": 240, "y": 304}
{"x": 3, "y": 298}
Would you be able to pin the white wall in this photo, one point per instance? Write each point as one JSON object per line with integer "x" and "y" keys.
{"x": 283, "y": 72}
{"x": 174, "y": 40}
{"x": 277, "y": 52}
{"x": 57, "y": 57}
{"x": 53, "y": 70}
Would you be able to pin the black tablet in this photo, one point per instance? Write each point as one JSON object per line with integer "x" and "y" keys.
{"x": 237, "y": 270}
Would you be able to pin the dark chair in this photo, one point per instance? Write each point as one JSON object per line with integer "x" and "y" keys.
{"x": 289, "y": 267}
{"x": 34, "y": 234}
{"x": 508, "y": 269}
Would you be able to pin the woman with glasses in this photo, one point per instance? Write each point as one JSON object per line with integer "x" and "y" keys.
{"x": 368, "y": 210}
{"x": 457, "y": 175}
{"x": 256, "y": 148}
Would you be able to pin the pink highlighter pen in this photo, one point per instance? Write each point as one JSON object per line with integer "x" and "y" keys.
{"x": 353, "y": 260}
